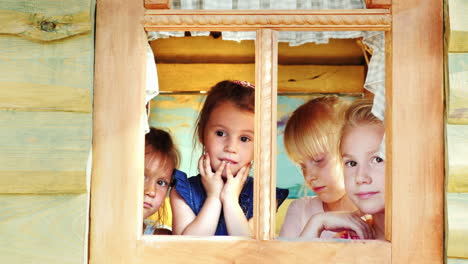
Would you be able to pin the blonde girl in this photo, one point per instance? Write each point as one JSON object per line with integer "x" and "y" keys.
{"x": 364, "y": 173}
{"x": 311, "y": 140}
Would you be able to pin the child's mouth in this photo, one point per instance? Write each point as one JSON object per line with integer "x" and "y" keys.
{"x": 365, "y": 195}
{"x": 319, "y": 189}
{"x": 228, "y": 161}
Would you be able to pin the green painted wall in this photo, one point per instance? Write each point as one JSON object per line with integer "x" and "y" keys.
{"x": 46, "y": 88}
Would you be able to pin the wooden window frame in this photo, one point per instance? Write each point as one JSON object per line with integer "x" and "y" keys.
{"x": 415, "y": 158}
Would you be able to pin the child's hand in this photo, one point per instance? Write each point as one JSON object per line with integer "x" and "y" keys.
{"x": 234, "y": 184}
{"x": 212, "y": 182}
{"x": 337, "y": 222}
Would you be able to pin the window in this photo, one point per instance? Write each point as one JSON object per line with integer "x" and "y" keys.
{"x": 415, "y": 166}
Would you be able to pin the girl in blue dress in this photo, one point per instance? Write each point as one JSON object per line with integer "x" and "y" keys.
{"x": 219, "y": 201}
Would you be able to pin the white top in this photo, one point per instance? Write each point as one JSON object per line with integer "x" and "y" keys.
{"x": 299, "y": 212}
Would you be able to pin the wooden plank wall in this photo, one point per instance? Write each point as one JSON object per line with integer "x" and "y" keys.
{"x": 457, "y": 128}
{"x": 46, "y": 87}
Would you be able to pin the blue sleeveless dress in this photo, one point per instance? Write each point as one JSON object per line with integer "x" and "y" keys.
{"x": 192, "y": 191}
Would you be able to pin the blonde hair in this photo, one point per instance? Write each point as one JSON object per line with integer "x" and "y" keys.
{"x": 314, "y": 128}
{"x": 360, "y": 112}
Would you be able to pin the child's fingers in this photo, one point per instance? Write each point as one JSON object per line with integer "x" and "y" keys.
{"x": 207, "y": 164}
{"x": 240, "y": 174}
{"x": 201, "y": 168}
{"x": 245, "y": 173}
{"x": 229, "y": 175}
{"x": 363, "y": 230}
{"x": 220, "y": 169}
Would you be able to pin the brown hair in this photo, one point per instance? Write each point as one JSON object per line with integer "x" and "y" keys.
{"x": 239, "y": 93}
{"x": 159, "y": 144}
{"x": 314, "y": 128}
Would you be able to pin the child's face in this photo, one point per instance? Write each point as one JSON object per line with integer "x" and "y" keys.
{"x": 158, "y": 175}
{"x": 228, "y": 136}
{"x": 364, "y": 167}
{"x": 322, "y": 174}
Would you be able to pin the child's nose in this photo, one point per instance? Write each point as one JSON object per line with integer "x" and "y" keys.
{"x": 231, "y": 146}
{"x": 363, "y": 175}
{"x": 150, "y": 190}
{"x": 309, "y": 175}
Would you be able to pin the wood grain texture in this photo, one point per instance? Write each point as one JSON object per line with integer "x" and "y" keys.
{"x": 197, "y": 49}
{"x": 44, "y": 152}
{"x": 291, "y": 78}
{"x": 417, "y": 129}
{"x": 458, "y": 88}
{"x": 158, "y": 4}
{"x": 38, "y": 27}
{"x": 457, "y": 144}
{"x": 457, "y": 229}
{"x": 266, "y": 51}
{"x": 388, "y": 136}
{"x": 378, "y": 3}
{"x": 43, "y": 229}
{"x": 118, "y": 138}
{"x": 38, "y": 76}
{"x": 458, "y": 25}
{"x": 241, "y": 20}
{"x": 218, "y": 250}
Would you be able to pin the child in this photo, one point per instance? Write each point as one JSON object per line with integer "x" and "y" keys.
{"x": 219, "y": 201}
{"x": 311, "y": 139}
{"x": 161, "y": 158}
{"x": 364, "y": 170}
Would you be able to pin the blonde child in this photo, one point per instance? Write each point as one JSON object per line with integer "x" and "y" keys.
{"x": 364, "y": 171}
{"x": 161, "y": 159}
{"x": 311, "y": 139}
{"x": 219, "y": 201}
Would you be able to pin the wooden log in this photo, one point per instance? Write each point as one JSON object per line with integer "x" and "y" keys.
{"x": 44, "y": 152}
{"x": 47, "y": 76}
{"x": 457, "y": 25}
{"x": 291, "y": 78}
{"x": 458, "y": 88}
{"x": 457, "y": 229}
{"x": 457, "y": 146}
{"x": 40, "y": 27}
{"x": 211, "y": 50}
{"x": 44, "y": 229}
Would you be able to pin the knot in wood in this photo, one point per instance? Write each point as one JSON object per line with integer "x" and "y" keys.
{"x": 47, "y": 26}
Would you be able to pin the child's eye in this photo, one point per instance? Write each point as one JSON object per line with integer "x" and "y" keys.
{"x": 162, "y": 183}
{"x": 350, "y": 163}
{"x": 220, "y": 133}
{"x": 377, "y": 159}
{"x": 316, "y": 161}
{"x": 245, "y": 139}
